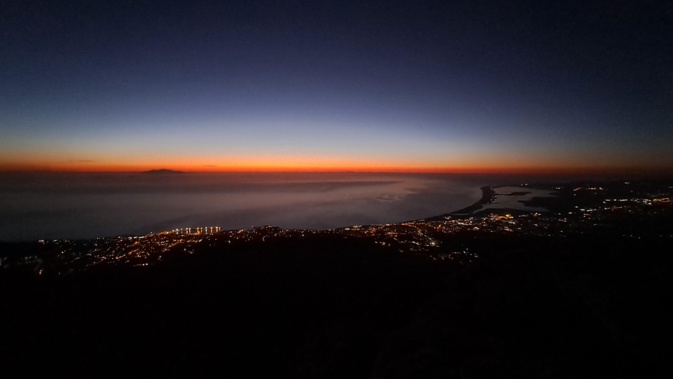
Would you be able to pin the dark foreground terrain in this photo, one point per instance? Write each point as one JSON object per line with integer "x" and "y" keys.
{"x": 329, "y": 307}
{"x": 581, "y": 291}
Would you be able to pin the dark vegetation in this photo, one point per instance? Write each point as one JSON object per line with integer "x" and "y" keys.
{"x": 323, "y": 307}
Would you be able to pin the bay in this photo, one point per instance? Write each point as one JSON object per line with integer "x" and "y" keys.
{"x": 88, "y": 205}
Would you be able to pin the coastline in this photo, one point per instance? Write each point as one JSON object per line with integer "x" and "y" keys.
{"x": 86, "y": 206}
{"x": 490, "y": 201}
{"x": 487, "y": 197}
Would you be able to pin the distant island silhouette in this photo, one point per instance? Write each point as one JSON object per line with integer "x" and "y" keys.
{"x": 163, "y": 171}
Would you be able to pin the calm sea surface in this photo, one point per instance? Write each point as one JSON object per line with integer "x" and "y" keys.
{"x": 71, "y": 206}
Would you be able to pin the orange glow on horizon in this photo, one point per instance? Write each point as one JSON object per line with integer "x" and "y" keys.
{"x": 473, "y": 163}
{"x": 327, "y": 166}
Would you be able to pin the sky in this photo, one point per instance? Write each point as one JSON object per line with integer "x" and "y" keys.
{"x": 415, "y": 86}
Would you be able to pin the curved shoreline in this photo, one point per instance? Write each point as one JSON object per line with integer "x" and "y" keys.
{"x": 487, "y": 196}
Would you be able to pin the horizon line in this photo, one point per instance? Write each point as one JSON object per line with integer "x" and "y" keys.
{"x": 633, "y": 170}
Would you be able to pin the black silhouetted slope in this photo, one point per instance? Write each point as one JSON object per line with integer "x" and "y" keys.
{"x": 328, "y": 307}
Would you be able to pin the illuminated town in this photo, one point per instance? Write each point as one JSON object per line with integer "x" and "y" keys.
{"x": 627, "y": 210}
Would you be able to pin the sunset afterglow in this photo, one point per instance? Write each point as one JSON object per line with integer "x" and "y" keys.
{"x": 316, "y": 189}
{"x": 341, "y": 87}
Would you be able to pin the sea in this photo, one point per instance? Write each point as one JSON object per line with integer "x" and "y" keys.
{"x": 50, "y": 205}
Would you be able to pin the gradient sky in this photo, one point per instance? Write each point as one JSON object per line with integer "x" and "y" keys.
{"x": 335, "y": 85}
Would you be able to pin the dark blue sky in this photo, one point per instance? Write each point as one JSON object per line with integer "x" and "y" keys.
{"x": 319, "y": 84}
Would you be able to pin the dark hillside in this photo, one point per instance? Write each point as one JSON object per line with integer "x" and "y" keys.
{"x": 324, "y": 307}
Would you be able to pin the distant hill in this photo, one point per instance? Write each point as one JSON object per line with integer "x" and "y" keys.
{"x": 163, "y": 171}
